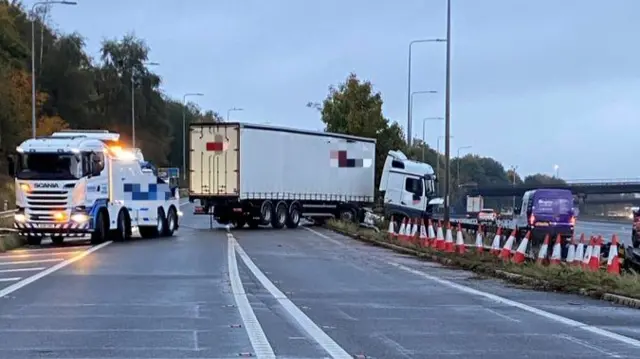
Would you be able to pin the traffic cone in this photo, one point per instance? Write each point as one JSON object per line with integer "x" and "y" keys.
{"x": 544, "y": 250}
{"x": 613, "y": 261}
{"x": 521, "y": 252}
{"x": 556, "y": 254}
{"x": 391, "y": 232}
{"x": 479, "y": 240}
{"x": 448, "y": 244}
{"x": 505, "y": 254}
{"x": 423, "y": 240}
{"x": 402, "y": 229}
{"x": 571, "y": 253}
{"x": 439, "y": 242}
{"x": 594, "y": 261}
{"x": 413, "y": 236}
{"x": 460, "y": 247}
{"x": 587, "y": 253}
{"x": 431, "y": 235}
{"x": 579, "y": 251}
{"x": 495, "y": 246}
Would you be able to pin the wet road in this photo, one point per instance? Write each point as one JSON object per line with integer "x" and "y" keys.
{"x": 304, "y": 293}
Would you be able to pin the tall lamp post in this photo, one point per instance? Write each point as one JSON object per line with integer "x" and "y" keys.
{"x": 447, "y": 117}
{"x": 184, "y": 131}
{"x": 513, "y": 173}
{"x": 231, "y": 110}
{"x": 33, "y": 57}
{"x": 409, "y": 126}
{"x": 133, "y": 103}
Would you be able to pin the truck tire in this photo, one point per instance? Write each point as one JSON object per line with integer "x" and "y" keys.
{"x": 279, "y": 217}
{"x": 57, "y": 240}
{"x": 348, "y": 215}
{"x": 99, "y": 234}
{"x": 171, "y": 223}
{"x": 266, "y": 212}
{"x": 293, "y": 217}
{"x": 123, "y": 229}
{"x": 154, "y": 231}
{"x": 34, "y": 240}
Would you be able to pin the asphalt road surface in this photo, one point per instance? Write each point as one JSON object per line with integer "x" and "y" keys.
{"x": 304, "y": 293}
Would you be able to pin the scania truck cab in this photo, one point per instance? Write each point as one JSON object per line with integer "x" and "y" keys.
{"x": 409, "y": 188}
{"x": 79, "y": 183}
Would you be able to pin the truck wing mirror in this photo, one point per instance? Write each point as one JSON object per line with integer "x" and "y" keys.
{"x": 11, "y": 166}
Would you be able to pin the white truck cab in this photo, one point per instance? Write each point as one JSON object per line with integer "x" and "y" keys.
{"x": 409, "y": 187}
{"x": 77, "y": 183}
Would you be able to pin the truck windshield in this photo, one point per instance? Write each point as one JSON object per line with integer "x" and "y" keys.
{"x": 49, "y": 166}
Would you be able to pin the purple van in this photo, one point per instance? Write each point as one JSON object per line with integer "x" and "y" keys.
{"x": 547, "y": 211}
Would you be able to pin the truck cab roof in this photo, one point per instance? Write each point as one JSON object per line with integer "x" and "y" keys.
{"x": 398, "y": 162}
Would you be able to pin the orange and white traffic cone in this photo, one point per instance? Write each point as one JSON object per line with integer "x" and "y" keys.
{"x": 495, "y": 245}
{"x": 579, "y": 251}
{"x": 460, "y": 247}
{"x": 448, "y": 243}
{"x": 594, "y": 261}
{"x": 414, "y": 232}
{"x": 423, "y": 240}
{"x": 479, "y": 241}
{"x": 439, "y": 242}
{"x": 505, "y": 254}
{"x": 571, "y": 252}
{"x": 521, "y": 252}
{"x": 402, "y": 229}
{"x": 613, "y": 261}
{"x": 556, "y": 254}
{"x": 391, "y": 232}
{"x": 431, "y": 235}
{"x": 544, "y": 251}
{"x": 587, "y": 253}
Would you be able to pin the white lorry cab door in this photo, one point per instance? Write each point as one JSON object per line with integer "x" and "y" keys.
{"x": 413, "y": 194}
{"x": 394, "y": 188}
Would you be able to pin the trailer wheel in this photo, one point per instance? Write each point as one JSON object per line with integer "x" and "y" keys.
{"x": 279, "y": 217}
{"x": 293, "y": 219}
{"x": 266, "y": 212}
{"x": 99, "y": 234}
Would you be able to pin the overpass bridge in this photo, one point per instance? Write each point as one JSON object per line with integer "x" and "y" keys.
{"x": 581, "y": 188}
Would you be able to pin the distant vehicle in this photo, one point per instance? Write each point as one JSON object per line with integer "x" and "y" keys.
{"x": 546, "y": 211}
{"x": 487, "y": 216}
{"x": 635, "y": 229}
{"x": 409, "y": 188}
{"x": 474, "y": 205}
{"x": 266, "y": 175}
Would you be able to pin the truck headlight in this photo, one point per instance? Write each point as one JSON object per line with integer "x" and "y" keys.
{"x": 20, "y": 217}
{"x": 79, "y": 217}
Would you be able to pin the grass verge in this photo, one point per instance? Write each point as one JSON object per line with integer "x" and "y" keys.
{"x": 621, "y": 289}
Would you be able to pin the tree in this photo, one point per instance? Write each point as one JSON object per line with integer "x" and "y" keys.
{"x": 354, "y": 108}
{"x": 48, "y": 125}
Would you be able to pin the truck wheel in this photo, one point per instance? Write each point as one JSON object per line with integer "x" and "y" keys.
{"x": 34, "y": 240}
{"x": 157, "y": 230}
{"x": 123, "y": 230}
{"x": 347, "y": 215}
{"x": 99, "y": 234}
{"x": 279, "y": 217}
{"x": 172, "y": 223}
{"x": 57, "y": 240}
{"x": 266, "y": 211}
{"x": 293, "y": 219}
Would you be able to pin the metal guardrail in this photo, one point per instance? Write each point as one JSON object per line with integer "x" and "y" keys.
{"x": 5, "y": 214}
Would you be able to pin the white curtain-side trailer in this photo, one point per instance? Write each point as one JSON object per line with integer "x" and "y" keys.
{"x": 259, "y": 175}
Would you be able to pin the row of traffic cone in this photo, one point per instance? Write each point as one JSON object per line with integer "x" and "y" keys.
{"x": 587, "y": 257}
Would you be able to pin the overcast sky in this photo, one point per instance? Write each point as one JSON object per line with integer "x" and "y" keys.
{"x": 534, "y": 83}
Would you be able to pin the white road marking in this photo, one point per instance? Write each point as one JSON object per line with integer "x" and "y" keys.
{"x": 258, "y": 339}
{"x": 31, "y": 269}
{"x": 504, "y": 316}
{"x": 332, "y": 240}
{"x": 12, "y": 279}
{"x": 589, "y": 346}
{"x": 12, "y": 288}
{"x": 513, "y": 303}
{"x": 320, "y": 337}
{"x": 31, "y": 262}
{"x": 30, "y": 255}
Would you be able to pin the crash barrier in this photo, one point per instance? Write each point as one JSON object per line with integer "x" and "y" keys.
{"x": 590, "y": 255}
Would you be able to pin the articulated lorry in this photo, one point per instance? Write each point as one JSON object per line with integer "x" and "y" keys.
{"x": 78, "y": 183}
{"x": 258, "y": 175}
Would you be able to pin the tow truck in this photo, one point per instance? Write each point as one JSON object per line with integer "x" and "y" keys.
{"x": 75, "y": 183}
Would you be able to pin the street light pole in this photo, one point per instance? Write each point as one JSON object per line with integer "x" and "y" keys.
{"x": 447, "y": 116}
{"x": 231, "y": 110}
{"x": 33, "y": 58}
{"x": 184, "y": 131}
{"x": 133, "y": 103}
{"x": 513, "y": 173}
{"x": 458, "y": 156}
{"x": 409, "y": 126}
{"x": 424, "y": 141}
